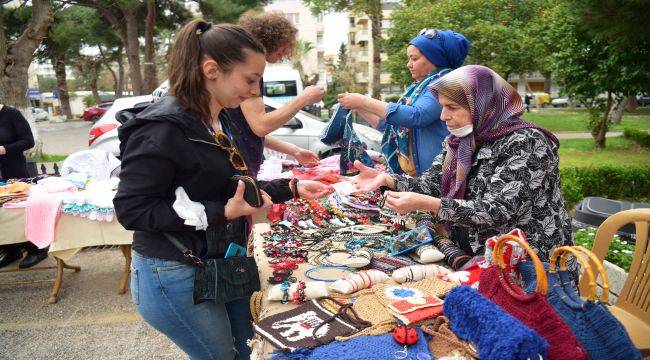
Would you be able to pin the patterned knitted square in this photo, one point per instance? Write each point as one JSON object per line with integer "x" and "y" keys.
{"x": 413, "y": 301}
{"x": 295, "y": 328}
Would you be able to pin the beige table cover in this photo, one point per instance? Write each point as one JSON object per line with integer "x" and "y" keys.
{"x": 72, "y": 234}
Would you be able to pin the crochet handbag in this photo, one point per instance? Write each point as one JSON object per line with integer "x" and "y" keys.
{"x": 599, "y": 332}
{"x": 532, "y": 310}
{"x": 496, "y": 334}
{"x": 444, "y": 342}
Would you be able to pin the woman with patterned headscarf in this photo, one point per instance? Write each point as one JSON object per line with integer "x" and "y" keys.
{"x": 413, "y": 132}
{"x": 496, "y": 172}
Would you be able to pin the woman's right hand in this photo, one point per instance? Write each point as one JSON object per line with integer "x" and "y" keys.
{"x": 369, "y": 179}
{"x": 237, "y": 206}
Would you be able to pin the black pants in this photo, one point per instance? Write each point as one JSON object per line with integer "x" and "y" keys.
{"x": 15, "y": 167}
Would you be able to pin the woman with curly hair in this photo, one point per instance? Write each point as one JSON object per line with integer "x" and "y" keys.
{"x": 278, "y": 36}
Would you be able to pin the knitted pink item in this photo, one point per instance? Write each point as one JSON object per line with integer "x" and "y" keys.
{"x": 41, "y": 215}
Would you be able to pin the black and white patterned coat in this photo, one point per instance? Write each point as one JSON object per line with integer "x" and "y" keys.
{"x": 514, "y": 182}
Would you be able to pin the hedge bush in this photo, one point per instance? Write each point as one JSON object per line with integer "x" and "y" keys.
{"x": 638, "y": 136}
{"x": 618, "y": 183}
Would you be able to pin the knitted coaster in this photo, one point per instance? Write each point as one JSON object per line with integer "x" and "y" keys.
{"x": 295, "y": 328}
{"x": 416, "y": 301}
{"x": 370, "y": 309}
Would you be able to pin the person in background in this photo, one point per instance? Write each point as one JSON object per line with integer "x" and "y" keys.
{"x": 15, "y": 138}
{"x": 278, "y": 36}
{"x": 497, "y": 172}
{"x": 413, "y": 132}
{"x": 182, "y": 140}
{"x": 527, "y": 99}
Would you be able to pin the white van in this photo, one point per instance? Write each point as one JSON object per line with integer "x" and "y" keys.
{"x": 282, "y": 83}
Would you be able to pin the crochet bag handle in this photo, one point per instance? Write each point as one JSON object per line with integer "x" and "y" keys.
{"x": 540, "y": 274}
{"x": 604, "y": 297}
{"x": 563, "y": 253}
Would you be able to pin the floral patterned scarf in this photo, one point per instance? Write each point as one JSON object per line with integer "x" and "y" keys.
{"x": 496, "y": 109}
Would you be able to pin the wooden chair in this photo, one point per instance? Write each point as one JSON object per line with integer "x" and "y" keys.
{"x": 632, "y": 308}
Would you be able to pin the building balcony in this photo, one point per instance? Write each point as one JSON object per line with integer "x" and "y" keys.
{"x": 361, "y": 78}
{"x": 362, "y": 35}
{"x": 384, "y": 78}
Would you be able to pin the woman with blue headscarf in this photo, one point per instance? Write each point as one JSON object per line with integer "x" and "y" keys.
{"x": 413, "y": 131}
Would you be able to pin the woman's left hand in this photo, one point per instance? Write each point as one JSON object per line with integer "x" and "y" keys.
{"x": 352, "y": 100}
{"x": 306, "y": 158}
{"x": 405, "y": 202}
{"x": 308, "y": 189}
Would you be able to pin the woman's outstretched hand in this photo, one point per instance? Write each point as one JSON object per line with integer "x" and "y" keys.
{"x": 308, "y": 189}
{"x": 237, "y": 206}
{"x": 369, "y": 179}
{"x": 406, "y": 202}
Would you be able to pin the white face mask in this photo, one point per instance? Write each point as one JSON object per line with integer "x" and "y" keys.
{"x": 462, "y": 131}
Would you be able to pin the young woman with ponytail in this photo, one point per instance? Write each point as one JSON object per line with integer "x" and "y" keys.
{"x": 183, "y": 140}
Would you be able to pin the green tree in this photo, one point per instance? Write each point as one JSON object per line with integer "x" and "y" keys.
{"x": 595, "y": 68}
{"x": 343, "y": 75}
{"x": 300, "y": 52}
{"x": 21, "y": 33}
{"x": 372, "y": 8}
{"x": 499, "y": 30}
{"x": 219, "y": 11}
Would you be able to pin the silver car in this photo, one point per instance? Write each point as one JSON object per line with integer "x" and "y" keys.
{"x": 303, "y": 130}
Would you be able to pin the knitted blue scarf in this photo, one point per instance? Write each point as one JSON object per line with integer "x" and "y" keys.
{"x": 360, "y": 348}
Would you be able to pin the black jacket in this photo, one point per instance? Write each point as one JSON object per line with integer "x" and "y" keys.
{"x": 16, "y": 136}
{"x": 164, "y": 147}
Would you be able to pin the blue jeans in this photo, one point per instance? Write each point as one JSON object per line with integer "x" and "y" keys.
{"x": 162, "y": 293}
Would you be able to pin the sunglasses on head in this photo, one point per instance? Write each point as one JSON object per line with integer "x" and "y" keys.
{"x": 430, "y": 33}
{"x": 224, "y": 143}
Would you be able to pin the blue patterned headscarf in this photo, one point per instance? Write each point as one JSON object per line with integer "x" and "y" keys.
{"x": 446, "y": 49}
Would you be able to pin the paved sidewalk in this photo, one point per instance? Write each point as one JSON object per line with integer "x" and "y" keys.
{"x": 90, "y": 321}
{"x": 584, "y": 135}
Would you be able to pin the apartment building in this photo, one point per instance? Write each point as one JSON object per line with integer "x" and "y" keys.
{"x": 310, "y": 29}
{"x": 361, "y": 47}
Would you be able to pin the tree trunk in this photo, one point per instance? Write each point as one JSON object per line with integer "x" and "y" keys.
{"x": 375, "y": 16}
{"x": 94, "y": 74}
{"x": 107, "y": 62}
{"x": 620, "y": 108}
{"x": 547, "y": 82}
{"x": 120, "y": 74}
{"x": 600, "y": 130}
{"x": 16, "y": 58}
{"x": 62, "y": 85}
{"x": 133, "y": 51}
{"x": 631, "y": 103}
{"x": 150, "y": 76}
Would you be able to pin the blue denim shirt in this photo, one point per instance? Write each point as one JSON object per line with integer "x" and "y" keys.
{"x": 423, "y": 116}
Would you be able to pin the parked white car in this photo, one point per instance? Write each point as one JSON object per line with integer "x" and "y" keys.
{"x": 39, "y": 114}
{"x": 303, "y": 130}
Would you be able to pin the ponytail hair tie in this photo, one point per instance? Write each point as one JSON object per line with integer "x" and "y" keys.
{"x": 202, "y": 27}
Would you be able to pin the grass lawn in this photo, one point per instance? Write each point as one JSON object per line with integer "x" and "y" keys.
{"x": 557, "y": 120}
{"x": 618, "y": 151}
{"x": 50, "y": 158}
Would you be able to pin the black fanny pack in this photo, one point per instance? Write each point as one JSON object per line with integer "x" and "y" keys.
{"x": 216, "y": 278}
